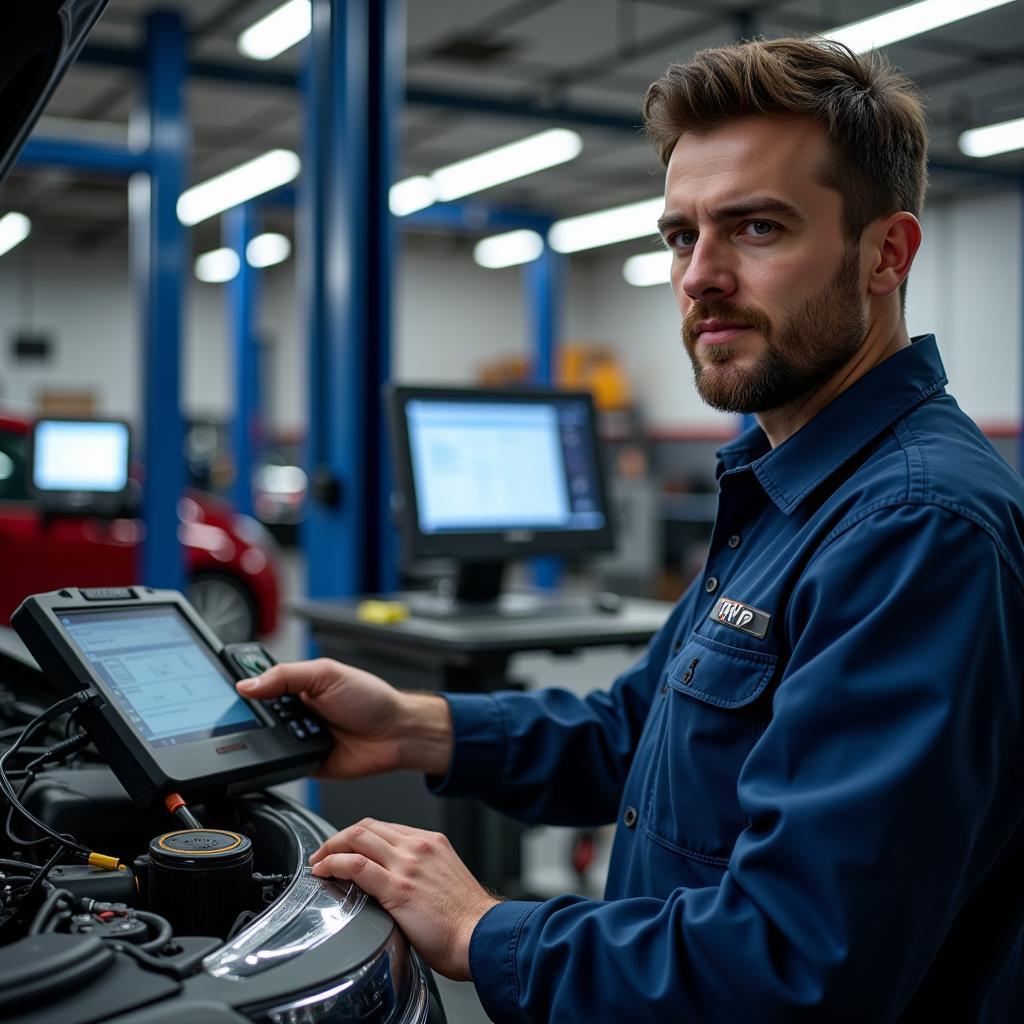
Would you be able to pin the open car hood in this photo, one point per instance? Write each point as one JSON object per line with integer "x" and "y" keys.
{"x": 39, "y": 39}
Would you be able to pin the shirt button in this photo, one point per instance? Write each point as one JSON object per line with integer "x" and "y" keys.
{"x": 734, "y": 541}
{"x": 711, "y": 584}
{"x": 629, "y": 818}
{"x": 687, "y": 675}
{"x": 677, "y": 646}
{"x": 664, "y": 688}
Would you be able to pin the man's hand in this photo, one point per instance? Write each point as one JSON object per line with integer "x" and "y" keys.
{"x": 416, "y": 877}
{"x": 376, "y": 728}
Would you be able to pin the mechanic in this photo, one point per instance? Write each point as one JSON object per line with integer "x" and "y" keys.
{"x": 816, "y": 767}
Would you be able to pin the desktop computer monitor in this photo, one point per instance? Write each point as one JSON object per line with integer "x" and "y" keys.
{"x": 80, "y": 465}
{"x": 488, "y": 476}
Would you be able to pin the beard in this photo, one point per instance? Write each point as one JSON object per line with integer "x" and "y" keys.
{"x": 809, "y": 346}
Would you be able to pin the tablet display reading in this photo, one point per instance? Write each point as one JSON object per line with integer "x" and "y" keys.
{"x": 167, "y": 683}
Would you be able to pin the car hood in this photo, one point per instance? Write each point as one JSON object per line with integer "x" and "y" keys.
{"x": 39, "y": 41}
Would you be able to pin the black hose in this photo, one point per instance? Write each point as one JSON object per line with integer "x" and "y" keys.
{"x": 148, "y": 961}
{"x": 163, "y": 930}
{"x": 7, "y": 863}
{"x": 43, "y": 913}
{"x": 40, "y": 877}
{"x": 186, "y": 817}
{"x": 74, "y": 701}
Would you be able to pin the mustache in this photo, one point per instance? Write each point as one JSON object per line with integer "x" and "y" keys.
{"x": 738, "y": 316}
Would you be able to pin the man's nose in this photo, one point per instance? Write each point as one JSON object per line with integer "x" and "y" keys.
{"x": 709, "y": 274}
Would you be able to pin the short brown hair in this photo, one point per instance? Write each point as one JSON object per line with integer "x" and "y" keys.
{"x": 871, "y": 114}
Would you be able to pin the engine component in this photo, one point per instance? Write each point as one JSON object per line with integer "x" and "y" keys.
{"x": 94, "y": 883}
{"x": 199, "y": 879}
{"x": 42, "y": 966}
{"x": 111, "y": 926}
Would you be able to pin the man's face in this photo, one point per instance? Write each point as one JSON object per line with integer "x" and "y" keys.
{"x": 768, "y": 285}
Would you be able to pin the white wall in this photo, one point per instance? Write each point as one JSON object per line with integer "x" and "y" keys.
{"x": 967, "y": 287}
{"x": 85, "y": 303}
{"x": 451, "y": 316}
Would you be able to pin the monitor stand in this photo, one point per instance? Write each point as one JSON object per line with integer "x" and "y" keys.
{"x": 477, "y": 594}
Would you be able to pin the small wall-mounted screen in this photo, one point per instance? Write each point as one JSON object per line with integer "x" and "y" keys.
{"x": 80, "y": 455}
{"x": 167, "y": 683}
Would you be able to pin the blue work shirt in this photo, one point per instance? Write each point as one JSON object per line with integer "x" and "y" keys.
{"x": 816, "y": 767}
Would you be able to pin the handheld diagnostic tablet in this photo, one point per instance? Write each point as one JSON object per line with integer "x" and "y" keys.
{"x": 167, "y": 717}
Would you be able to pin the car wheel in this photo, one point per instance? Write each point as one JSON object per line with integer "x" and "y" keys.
{"x": 224, "y": 605}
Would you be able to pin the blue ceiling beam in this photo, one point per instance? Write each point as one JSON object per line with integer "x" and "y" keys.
{"x": 473, "y": 218}
{"x": 110, "y": 56}
{"x": 41, "y": 151}
{"x": 453, "y": 100}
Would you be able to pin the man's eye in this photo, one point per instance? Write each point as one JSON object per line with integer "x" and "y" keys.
{"x": 683, "y": 239}
{"x": 760, "y": 227}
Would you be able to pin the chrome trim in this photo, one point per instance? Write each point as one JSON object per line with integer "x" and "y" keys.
{"x": 306, "y": 914}
{"x": 370, "y": 994}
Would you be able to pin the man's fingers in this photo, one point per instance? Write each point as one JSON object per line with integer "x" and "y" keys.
{"x": 358, "y": 868}
{"x": 291, "y": 677}
{"x": 375, "y": 838}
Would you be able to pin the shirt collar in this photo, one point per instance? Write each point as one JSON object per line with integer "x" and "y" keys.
{"x": 887, "y": 392}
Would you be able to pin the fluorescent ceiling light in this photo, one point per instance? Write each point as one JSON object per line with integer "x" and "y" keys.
{"x": 14, "y": 229}
{"x": 993, "y": 138}
{"x": 508, "y": 249}
{"x": 267, "y": 249}
{"x": 506, "y": 163}
{"x": 241, "y": 183}
{"x": 281, "y": 29}
{"x": 909, "y": 20}
{"x": 411, "y": 194}
{"x": 619, "y": 224}
{"x": 217, "y": 266}
{"x": 648, "y": 268}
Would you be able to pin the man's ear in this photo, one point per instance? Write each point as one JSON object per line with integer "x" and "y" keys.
{"x": 894, "y": 243}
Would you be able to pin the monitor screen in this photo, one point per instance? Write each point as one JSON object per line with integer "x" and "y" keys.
{"x": 80, "y": 455}
{"x": 497, "y": 474}
{"x": 166, "y": 680}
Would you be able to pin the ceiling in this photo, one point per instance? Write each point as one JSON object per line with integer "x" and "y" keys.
{"x": 592, "y": 57}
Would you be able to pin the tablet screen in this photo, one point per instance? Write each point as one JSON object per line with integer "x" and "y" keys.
{"x": 164, "y": 678}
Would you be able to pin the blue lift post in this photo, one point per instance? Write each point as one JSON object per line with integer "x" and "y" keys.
{"x": 347, "y": 286}
{"x": 387, "y": 89}
{"x": 543, "y": 278}
{"x": 240, "y": 227}
{"x": 159, "y": 261}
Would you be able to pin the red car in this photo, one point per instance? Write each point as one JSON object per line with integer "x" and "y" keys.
{"x": 232, "y": 578}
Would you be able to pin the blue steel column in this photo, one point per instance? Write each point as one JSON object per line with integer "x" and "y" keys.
{"x": 243, "y": 293}
{"x": 387, "y": 95}
{"x": 159, "y": 262}
{"x": 544, "y": 281}
{"x": 346, "y": 284}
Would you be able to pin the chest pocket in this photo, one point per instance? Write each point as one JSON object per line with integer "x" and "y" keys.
{"x": 710, "y": 718}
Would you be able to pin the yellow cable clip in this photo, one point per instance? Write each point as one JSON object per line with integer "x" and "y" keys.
{"x": 101, "y": 860}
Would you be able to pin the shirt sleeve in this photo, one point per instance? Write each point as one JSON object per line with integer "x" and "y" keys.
{"x": 548, "y": 756}
{"x": 884, "y": 788}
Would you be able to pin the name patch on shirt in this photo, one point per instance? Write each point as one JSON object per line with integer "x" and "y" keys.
{"x": 741, "y": 616}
